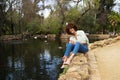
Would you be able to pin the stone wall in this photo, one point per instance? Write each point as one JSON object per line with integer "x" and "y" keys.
{"x": 11, "y": 37}
{"x": 24, "y": 36}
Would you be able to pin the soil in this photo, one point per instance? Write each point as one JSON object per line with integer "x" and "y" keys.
{"x": 108, "y": 59}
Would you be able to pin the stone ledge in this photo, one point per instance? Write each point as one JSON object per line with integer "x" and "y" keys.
{"x": 93, "y": 67}
{"x": 78, "y": 69}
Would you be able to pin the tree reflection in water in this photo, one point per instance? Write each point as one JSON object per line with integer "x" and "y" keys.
{"x": 30, "y": 60}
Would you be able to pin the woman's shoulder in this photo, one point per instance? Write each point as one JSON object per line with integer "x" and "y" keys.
{"x": 80, "y": 31}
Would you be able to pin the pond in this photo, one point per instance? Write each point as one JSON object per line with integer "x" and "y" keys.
{"x": 30, "y": 59}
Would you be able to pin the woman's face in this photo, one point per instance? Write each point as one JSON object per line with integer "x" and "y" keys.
{"x": 72, "y": 30}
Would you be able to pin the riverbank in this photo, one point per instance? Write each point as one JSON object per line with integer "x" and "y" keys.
{"x": 51, "y": 36}
{"x": 26, "y": 36}
{"x": 94, "y": 65}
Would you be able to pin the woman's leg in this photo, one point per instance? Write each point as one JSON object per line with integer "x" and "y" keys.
{"x": 69, "y": 48}
{"x": 78, "y": 47}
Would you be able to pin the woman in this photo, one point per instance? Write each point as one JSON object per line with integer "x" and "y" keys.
{"x": 78, "y": 42}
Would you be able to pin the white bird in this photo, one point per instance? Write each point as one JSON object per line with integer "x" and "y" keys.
{"x": 60, "y": 47}
{"x": 35, "y": 37}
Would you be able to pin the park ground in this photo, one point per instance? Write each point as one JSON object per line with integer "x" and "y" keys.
{"x": 108, "y": 59}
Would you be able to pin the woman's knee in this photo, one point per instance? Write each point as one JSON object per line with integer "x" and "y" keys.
{"x": 77, "y": 43}
{"x": 69, "y": 44}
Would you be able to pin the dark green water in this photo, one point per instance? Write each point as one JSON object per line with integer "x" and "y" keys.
{"x": 30, "y": 59}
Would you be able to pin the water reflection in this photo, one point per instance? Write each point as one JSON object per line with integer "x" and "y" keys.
{"x": 30, "y": 60}
{"x": 49, "y": 64}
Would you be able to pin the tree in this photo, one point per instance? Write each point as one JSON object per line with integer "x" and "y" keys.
{"x": 105, "y": 7}
{"x": 30, "y": 10}
{"x": 62, "y": 8}
{"x": 2, "y": 16}
{"x": 114, "y": 19}
{"x": 12, "y": 15}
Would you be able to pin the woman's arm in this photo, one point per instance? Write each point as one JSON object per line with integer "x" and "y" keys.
{"x": 81, "y": 37}
{"x": 72, "y": 40}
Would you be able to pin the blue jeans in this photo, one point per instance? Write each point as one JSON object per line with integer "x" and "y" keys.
{"x": 75, "y": 48}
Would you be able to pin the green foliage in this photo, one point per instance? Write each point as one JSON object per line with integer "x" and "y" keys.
{"x": 65, "y": 70}
{"x": 72, "y": 14}
{"x": 87, "y": 22}
{"x": 96, "y": 4}
{"x": 118, "y": 28}
{"x": 34, "y": 26}
{"x": 53, "y": 25}
{"x": 114, "y": 16}
{"x": 106, "y": 5}
{"x": 114, "y": 20}
{"x": 97, "y": 18}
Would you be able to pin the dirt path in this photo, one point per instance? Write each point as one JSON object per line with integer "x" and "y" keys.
{"x": 108, "y": 59}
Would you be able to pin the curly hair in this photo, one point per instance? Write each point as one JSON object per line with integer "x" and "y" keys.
{"x": 69, "y": 26}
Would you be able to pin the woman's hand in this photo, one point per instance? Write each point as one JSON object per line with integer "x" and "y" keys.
{"x": 72, "y": 41}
